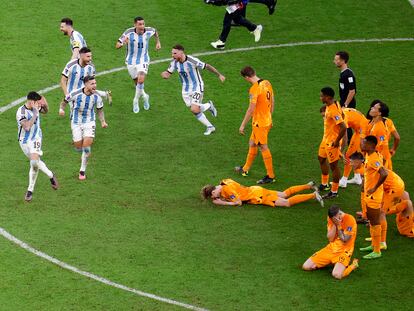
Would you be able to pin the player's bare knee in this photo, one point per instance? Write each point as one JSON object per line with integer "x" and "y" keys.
{"x": 195, "y": 109}
{"x": 337, "y": 275}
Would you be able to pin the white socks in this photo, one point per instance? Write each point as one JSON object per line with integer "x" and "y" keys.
{"x": 204, "y": 107}
{"x": 84, "y": 159}
{"x": 203, "y": 119}
{"x": 34, "y": 171}
{"x": 42, "y": 166}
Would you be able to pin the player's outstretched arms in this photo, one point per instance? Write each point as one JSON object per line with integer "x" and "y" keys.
{"x": 165, "y": 75}
{"x": 62, "y": 106}
{"x": 101, "y": 117}
{"x": 216, "y": 72}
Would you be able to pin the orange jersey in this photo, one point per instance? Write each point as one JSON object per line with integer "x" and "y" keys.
{"x": 373, "y": 163}
{"x": 333, "y": 117}
{"x": 382, "y": 131}
{"x": 355, "y": 119}
{"x": 349, "y": 226}
{"x": 261, "y": 95}
{"x": 233, "y": 191}
{"x": 393, "y": 183}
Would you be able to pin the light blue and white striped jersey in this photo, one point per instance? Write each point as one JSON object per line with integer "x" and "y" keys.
{"x": 189, "y": 72}
{"x": 76, "y": 40}
{"x": 35, "y": 133}
{"x": 75, "y": 74}
{"x": 82, "y": 106}
{"x": 137, "y": 46}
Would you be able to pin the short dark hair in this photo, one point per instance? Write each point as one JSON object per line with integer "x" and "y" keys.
{"x": 178, "y": 47}
{"x": 88, "y": 78}
{"x": 357, "y": 156}
{"x": 333, "y": 211}
{"x": 328, "y": 91}
{"x": 67, "y": 21}
{"x": 206, "y": 191}
{"x": 248, "y": 72}
{"x": 385, "y": 111}
{"x": 138, "y": 18}
{"x": 343, "y": 55}
{"x": 34, "y": 96}
{"x": 371, "y": 139}
{"x": 84, "y": 50}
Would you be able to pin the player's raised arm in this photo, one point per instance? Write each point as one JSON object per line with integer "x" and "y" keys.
{"x": 157, "y": 41}
{"x": 216, "y": 72}
{"x": 166, "y": 74}
{"x": 44, "y": 106}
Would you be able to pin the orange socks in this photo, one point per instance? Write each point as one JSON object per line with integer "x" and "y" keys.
{"x": 325, "y": 179}
{"x": 384, "y": 227}
{"x": 335, "y": 187}
{"x": 267, "y": 159}
{"x": 250, "y": 158}
{"x": 348, "y": 270}
{"x": 295, "y": 189}
{"x": 347, "y": 170}
{"x": 300, "y": 198}
{"x": 376, "y": 237}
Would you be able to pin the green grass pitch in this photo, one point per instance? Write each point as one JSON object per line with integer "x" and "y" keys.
{"x": 138, "y": 219}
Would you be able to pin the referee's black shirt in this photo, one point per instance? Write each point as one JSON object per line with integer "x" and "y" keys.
{"x": 347, "y": 82}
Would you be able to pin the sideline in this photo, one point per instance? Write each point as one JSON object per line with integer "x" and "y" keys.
{"x": 64, "y": 265}
{"x": 271, "y": 46}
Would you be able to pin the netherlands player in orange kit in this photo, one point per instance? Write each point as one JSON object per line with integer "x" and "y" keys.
{"x": 374, "y": 177}
{"x": 342, "y": 230}
{"x": 355, "y": 120}
{"x": 383, "y": 129}
{"x": 260, "y": 111}
{"x": 230, "y": 192}
{"x": 329, "y": 151}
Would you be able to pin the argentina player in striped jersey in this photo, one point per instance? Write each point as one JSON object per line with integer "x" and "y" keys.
{"x": 188, "y": 68}
{"x": 76, "y": 39}
{"x": 82, "y": 116}
{"x": 137, "y": 58}
{"x": 30, "y": 139}
{"x": 74, "y": 72}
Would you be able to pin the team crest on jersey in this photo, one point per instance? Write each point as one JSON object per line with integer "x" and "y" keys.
{"x": 349, "y": 228}
{"x": 336, "y": 118}
{"x": 232, "y": 196}
{"x": 377, "y": 164}
{"x": 382, "y": 138}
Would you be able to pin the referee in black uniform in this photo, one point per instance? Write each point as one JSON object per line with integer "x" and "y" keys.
{"x": 347, "y": 82}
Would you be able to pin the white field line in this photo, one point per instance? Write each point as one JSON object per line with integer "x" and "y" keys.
{"x": 64, "y": 265}
{"x": 411, "y": 2}
{"x": 271, "y": 46}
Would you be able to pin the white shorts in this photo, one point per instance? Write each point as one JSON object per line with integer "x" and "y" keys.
{"x": 192, "y": 98}
{"x": 80, "y": 131}
{"x": 30, "y": 147}
{"x": 134, "y": 70}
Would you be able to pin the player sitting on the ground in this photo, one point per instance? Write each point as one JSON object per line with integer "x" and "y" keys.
{"x": 342, "y": 230}
{"x": 230, "y": 192}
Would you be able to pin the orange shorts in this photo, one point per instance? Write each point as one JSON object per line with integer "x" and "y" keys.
{"x": 326, "y": 256}
{"x": 391, "y": 199}
{"x": 405, "y": 225}
{"x": 354, "y": 145}
{"x": 328, "y": 152}
{"x": 259, "y": 135}
{"x": 374, "y": 200}
{"x": 263, "y": 196}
